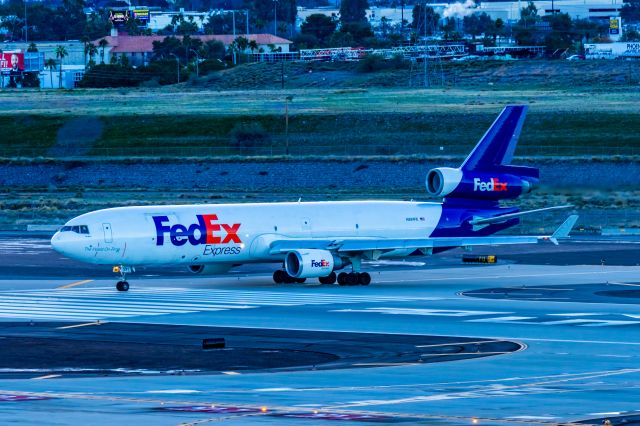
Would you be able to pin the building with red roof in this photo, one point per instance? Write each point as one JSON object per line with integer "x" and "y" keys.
{"x": 139, "y": 49}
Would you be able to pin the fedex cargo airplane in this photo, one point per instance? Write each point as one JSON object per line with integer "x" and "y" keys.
{"x": 320, "y": 239}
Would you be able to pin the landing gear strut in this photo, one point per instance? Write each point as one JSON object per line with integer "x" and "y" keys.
{"x": 282, "y": 277}
{"x": 354, "y": 278}
{"x": 122, "y": 285}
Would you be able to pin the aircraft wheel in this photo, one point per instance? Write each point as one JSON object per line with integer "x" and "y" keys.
{"x": 122, "y": 286}
{"x": 300, "y": 280}
{"x": 278, "y": 276}
{"x": 329, "y": 279}
{"x": 288, "y": 279}
{"x": 352, "y": 278}
{"x": 342, "y": 278}
{"x": 365, "y": 278}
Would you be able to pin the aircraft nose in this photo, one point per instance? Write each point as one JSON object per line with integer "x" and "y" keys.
{"x": 62, "y": 244}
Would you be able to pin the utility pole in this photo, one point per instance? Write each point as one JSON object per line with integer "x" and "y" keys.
{"x": 177, "y": 62}
{"x": 26, "y": 25}
{"x": 233, "y": 14}
{"x": 247, "y": 24}
{"x": 402, "y": 18}
{"x": 275, "y": 17}
{"x": 424, "y": 12}
{"x": 197, "y": 63}
{"x": 286, "y": 122}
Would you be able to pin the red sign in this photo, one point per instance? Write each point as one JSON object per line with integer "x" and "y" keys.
{"x": 12, "y": 61}
{"x": 15, "y": 398}
{"x": 213, "y": 409}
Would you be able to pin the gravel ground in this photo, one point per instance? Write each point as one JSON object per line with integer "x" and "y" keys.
{"x": 298, "y": 174}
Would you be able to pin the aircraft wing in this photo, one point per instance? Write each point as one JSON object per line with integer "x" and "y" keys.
{"x": 351, "y": 245}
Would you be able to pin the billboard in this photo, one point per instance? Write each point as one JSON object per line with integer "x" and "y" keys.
{"x": 141, "y": 15}
{"x": 614, "y": 26}
{"x": 11, "y": 61}
{"x": 118, "y": 16}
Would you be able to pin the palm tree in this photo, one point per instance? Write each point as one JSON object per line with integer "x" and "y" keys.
{"x": 90, "y": 49}
{"x": 32, "y": 47}
{"x": 86, "y": 42}
{"x": 61, "y": 52}
{"x": 93, "y": 51}
{"x": 51, "y": 65}
{"x": 102, "y": 44}
{"x": 253, "y": 45}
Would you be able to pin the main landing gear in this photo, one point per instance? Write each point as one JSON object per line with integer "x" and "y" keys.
{"x": 343, "y": 278}
{"x": 122, "y": 285}
{"x": 354, "y": 278}
{"x": 281, "y": 277}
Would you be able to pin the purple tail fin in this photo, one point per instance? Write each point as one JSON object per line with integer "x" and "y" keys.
{"x": 495, "y": 150}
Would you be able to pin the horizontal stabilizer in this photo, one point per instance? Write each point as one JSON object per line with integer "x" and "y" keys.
{"x": 564, "y": 229}
{"x": 479, "y": 221}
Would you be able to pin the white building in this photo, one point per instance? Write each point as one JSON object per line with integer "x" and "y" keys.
{"x": 612, "y": 50}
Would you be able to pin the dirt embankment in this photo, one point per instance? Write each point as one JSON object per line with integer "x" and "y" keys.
{"x": 527, "y": 74}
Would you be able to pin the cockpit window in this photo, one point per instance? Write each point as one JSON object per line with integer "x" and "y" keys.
{"x": 78, "y": 229}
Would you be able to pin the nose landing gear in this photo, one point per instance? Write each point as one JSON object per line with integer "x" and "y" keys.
{"x": 122, "y": 285}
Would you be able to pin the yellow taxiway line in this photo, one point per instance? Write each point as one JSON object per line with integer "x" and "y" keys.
{"x": 82, "y": 325}
{"x": 49, "y": 376}
{"x": 74, "y": 284}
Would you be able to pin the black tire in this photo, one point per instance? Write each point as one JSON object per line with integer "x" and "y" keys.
{"x": 300, "y": 280}
{"x": 329, "y": 279}
{"x": 352, "y": 278}
{"x": 122, "y": 286}
{"x": 342, "y": 278}
{"x": 365, "y": 278}
{"x": 288, "y": 279}
{"x": 278, "y": 276}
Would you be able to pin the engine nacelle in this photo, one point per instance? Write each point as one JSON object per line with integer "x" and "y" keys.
{"x": 210, "y": 268}
{"x": 311, "y": 263}
{"x": 454, "y": 183}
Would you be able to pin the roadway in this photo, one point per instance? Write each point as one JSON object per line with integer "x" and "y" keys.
{"x": 430, "y": 341}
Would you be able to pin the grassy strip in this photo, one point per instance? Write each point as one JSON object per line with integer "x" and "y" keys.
{"x": 320, "y": 135}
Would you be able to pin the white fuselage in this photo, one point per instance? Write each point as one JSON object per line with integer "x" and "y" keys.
{"x": 234, "y": 233}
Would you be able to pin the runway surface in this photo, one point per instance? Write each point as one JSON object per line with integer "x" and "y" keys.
{"x": 577, "y": 328}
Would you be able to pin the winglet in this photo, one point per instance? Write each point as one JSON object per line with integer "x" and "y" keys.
{"x": 564, "y": 229}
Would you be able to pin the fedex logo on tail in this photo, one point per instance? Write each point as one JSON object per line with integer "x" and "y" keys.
{"x": 321, "y": 264}
{"x": 205, "y": 231}
{"x": 494, "y": 185}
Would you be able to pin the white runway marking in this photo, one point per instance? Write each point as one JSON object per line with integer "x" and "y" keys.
{"x": 502, "y": 318}
{"x": 99, "y": 303}
{"x": 498, "y": 277}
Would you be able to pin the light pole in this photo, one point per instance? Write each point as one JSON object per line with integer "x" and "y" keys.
{"x": 233, "y": 14}
{"x": 197, "y": 62}
{"x": 275, "y": 17}
{"x": 177, "y": 62}
{"x": 247, "y": 11}
{"x": 286, "y": 122}
{"x": 26, "y": 26}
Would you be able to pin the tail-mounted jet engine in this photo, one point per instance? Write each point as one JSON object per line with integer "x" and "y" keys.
{"x": 457, "y": 183}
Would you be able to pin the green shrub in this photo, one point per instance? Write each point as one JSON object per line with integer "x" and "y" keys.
{"x": 249, "y": 135}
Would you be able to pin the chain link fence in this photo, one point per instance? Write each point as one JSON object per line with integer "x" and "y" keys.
{"x": 302, "y": 149}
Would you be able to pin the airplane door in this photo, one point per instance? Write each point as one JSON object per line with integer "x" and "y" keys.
{"x": 108, "y": 236}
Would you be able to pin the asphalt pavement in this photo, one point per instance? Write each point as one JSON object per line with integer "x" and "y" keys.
{"x": 551, "y": 343}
